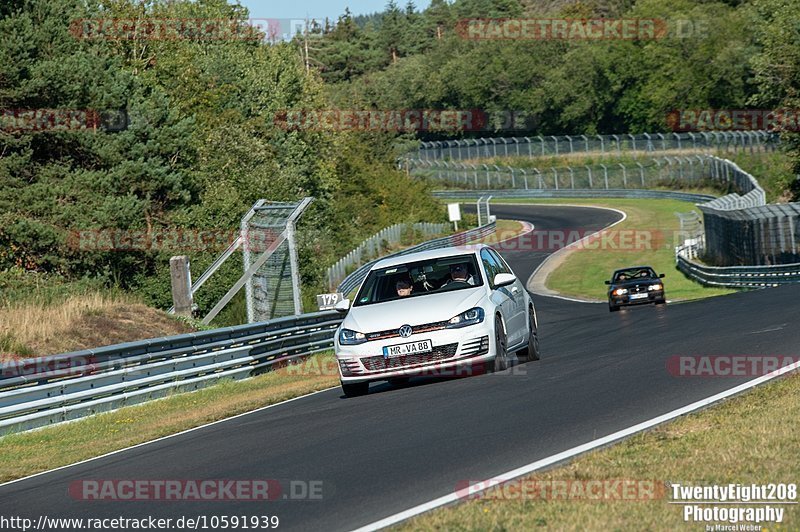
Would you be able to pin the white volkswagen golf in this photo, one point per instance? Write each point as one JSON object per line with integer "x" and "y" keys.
{"x": 440, "y": 312}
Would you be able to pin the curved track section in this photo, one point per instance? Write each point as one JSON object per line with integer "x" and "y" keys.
{"x": 400, "y": 447}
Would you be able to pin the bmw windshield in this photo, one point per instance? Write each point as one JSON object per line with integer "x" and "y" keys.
{"x": 415, "y": 279}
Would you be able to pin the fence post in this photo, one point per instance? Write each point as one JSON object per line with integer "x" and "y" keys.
{"x": 589, "y": 171}
{"x": 181, "y": 280}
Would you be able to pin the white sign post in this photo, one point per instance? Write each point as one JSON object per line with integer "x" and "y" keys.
{"x": 454, "y": 210}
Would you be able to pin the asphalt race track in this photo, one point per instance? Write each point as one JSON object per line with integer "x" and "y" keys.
{"x": 400, "y": 447}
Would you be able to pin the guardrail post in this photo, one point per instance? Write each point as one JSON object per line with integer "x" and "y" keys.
{"x": 181, "y": 278}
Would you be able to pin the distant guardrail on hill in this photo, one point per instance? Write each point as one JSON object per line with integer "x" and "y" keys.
{"x": 555, "y": 145}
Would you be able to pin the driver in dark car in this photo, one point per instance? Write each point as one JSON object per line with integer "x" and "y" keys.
{"x": 459, "y": 273}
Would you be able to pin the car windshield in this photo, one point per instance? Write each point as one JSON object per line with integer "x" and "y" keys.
{"x": 633, "y": 274}
{"x": 414, "y": 279}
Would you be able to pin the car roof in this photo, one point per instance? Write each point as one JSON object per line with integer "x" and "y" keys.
{"x": 427, "y": 255}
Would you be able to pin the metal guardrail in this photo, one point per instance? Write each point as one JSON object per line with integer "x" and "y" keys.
{"x": 110, "y": 377}
{"x": 352, "y": 281}
{"x": 577, "y": 193}
{"x": 738, "y": 276}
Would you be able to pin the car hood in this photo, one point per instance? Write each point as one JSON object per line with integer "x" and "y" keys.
{"x": 413, "y": 311}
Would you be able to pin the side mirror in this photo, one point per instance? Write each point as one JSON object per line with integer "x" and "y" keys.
{"x": 661, "y": 276}
{"x": 608, "y": 282}
{"x": 503, "y": 279}
{"x": 342, "y": 306}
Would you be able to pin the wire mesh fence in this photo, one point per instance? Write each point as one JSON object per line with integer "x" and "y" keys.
{"x": 557, "y": 145}
{"x": 638, "y": 175}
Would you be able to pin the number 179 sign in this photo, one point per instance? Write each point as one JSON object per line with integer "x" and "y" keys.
{"x": 328, "y": 301}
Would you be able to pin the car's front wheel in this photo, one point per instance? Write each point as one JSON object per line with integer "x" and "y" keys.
{"x": 612, "y": 307}
{"x": 355, "y": 389}
{"x": 500, "y": 361}
{"x": 531, "y": 352}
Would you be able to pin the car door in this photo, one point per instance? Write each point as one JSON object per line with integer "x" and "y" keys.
{"x": 518, "y": 321}
{"x": 501, "y": 297}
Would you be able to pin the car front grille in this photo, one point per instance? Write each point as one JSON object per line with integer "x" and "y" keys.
{"x": 439, "y": 353}
{"x": 416, "y": 329}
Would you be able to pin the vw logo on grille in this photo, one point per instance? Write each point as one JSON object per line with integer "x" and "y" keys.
{"x": 406, "y": 331}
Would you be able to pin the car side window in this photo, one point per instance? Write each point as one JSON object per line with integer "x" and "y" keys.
{"x": 500, "y": 262}
{"x": 491, "y": 266}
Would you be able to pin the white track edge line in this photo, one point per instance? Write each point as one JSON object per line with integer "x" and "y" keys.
{"x": 163, "y": 437}
{"x": 571, "y": 453}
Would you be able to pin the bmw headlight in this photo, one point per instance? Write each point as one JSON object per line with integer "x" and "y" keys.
{"x": 348, "y": 337}
{"x": 655, "y": 287}
{"x": 471, "y": 317}
{"x": 620, "y": 291}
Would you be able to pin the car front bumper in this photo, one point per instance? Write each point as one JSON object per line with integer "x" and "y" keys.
{"x": 652, "y": 297}
{"x": 456, "y": 353}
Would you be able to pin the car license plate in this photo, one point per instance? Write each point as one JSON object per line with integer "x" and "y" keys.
{"x": 638, "y": 296}
{"x": 411, "y": 348}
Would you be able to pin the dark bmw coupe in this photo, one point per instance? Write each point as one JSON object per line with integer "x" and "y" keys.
{"x": 635, "y": 286}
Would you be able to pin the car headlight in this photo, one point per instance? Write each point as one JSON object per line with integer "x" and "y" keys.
{"x": 348, "y": 337}
{"x": 471, "y": 317}
{"x": 620, "y": 291}
{"x": 656, "y": 287}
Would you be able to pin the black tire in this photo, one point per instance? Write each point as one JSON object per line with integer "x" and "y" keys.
{"x": 612, "y": 308}
{"x": 355, "y": 389}
{"x": 661, "y": 301}
{"x": 500, "y": 361}
{"x": 531, "y": 352}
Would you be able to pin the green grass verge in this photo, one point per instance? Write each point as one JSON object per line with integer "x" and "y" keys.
{"x": 583, "y": 272}
{"x": 27, "y": 453}
{"x": 749, "y": 439}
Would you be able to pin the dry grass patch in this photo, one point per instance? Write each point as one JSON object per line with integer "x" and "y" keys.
{"x": 78, "y": 322}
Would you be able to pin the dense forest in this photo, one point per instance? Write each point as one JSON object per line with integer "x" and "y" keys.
{"x": 201, "y": 141}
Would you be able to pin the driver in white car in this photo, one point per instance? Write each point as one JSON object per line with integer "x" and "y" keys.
{"x": 459, "y": 273}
